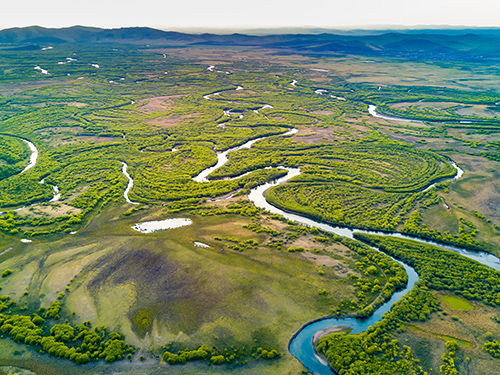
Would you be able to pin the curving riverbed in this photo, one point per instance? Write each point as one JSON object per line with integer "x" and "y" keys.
{"x": 372, "y": 109}
{"x": 129, "y": 185}
{"x": 33, "y": 157}
{"x": 223, "y": 159}
{"x": 301, "y": 344}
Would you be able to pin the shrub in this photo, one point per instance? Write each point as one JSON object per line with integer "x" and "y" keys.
{"x": 217, "y": 359}
{"x": 6, "y": 273}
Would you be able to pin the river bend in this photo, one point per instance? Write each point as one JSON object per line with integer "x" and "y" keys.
{"x": 301, "y": 345}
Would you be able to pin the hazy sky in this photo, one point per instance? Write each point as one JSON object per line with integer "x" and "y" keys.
{"x": 172, "y": 14}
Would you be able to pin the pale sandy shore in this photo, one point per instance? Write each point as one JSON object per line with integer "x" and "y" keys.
{"x": 318, "y": 335}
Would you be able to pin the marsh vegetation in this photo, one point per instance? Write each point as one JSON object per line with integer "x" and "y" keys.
{"x": 234, "y": 305}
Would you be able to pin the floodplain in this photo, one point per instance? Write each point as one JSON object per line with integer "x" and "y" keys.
{"x": 89, "y": 294}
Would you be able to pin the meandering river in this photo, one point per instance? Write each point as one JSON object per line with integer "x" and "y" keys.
{"x": 301, "y": 344}
{"x": 223, "y": 159}
{"x": 129, "y": 185}
{"x": 33, "y": 157}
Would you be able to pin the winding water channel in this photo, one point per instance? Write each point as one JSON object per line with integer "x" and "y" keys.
{"x": 222, "y": 157}
{"x": 129, "y": 185}
{"x": 301, "y": 344}
{"x": 33, "y": 157}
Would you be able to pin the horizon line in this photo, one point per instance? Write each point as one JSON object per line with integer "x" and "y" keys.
{"x": 261, "y": 29}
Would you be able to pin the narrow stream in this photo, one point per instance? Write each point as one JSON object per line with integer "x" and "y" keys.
{"x": 300, "y": 346}
{"x": 222, "y": 157}
{"x": 33, "y": 157}
{"x": 129, "y": 185}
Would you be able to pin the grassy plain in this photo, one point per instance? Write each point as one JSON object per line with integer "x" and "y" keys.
{"x": 247, "y": 289}
{"x": 467, "y": 327}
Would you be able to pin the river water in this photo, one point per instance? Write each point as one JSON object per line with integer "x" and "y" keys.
{"x": 33, "y": 157}
{"x": 301, "y": 345}
{"x": 129, "y": 185}
{"x": 372, "y": 109}
{"x": 222, "y": 157}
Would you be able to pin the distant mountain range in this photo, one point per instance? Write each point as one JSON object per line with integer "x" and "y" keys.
{"x": 466, "y": 44}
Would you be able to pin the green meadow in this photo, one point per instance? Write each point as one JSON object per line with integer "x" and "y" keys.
{"x": 83, "y": 292}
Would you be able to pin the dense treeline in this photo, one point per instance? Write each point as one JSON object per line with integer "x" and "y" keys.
{"x": 378, "y": 163}
{"x": 236, "y": 356}
{"x": 14, "y": 156}
{"x": 441, "y": 269}
{"x": 374, "y": 266}
{"x": 374, "y": 351}
{"x": 465, "y": 238}
{"x": 344, "y": 204}
{"x": 80, "y": 343}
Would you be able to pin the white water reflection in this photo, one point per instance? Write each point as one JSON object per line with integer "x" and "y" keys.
{"x": 201, "y": 244}
{"x": 372, "y": 109}
{"x": 129, "y": 185}
{"x": 57, "y": 195}
{"x": 33, "y": 157}
{"x": 159, "y": 225}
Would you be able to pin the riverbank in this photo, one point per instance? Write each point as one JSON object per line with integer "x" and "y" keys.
{"x": 320, "y": 334}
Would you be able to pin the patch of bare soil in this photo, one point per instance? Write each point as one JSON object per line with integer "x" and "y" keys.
{"x": 322, "y": 113}
{"x": 455, "y": 107}
{"x": 166, "y": 122}
{"x": 12, "y": 89}
{"x": 479, "y": 189}
{"x": 245, "y": 92}
{"x": 314, "y": 135}
{"x": 50, "y": 210}
{"x": 158, "y": 103}
{"x": 59, "y": 136}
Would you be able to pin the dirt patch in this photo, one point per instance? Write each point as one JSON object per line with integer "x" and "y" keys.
{"x": 59, "y": 136}
{"x": 480, "y": 189}
{"x": 322, "y": 112}
{"x": 245, "y": 92}
{"x": 166, "y": 122}
{"x": 460, "y": 109}
{"x": 339, "y": 266}
{"x": 15, "y": 88}
{"x": 51, "y": 210}
{"x": 315, "y": 135}
{"x": 158, "y": 103}
{"x": 321, "y": 260}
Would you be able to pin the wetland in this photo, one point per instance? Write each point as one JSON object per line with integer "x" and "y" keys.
{"x": 208, "y": 220}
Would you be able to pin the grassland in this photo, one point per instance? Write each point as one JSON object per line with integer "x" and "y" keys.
{"x": 261, "y": 278}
